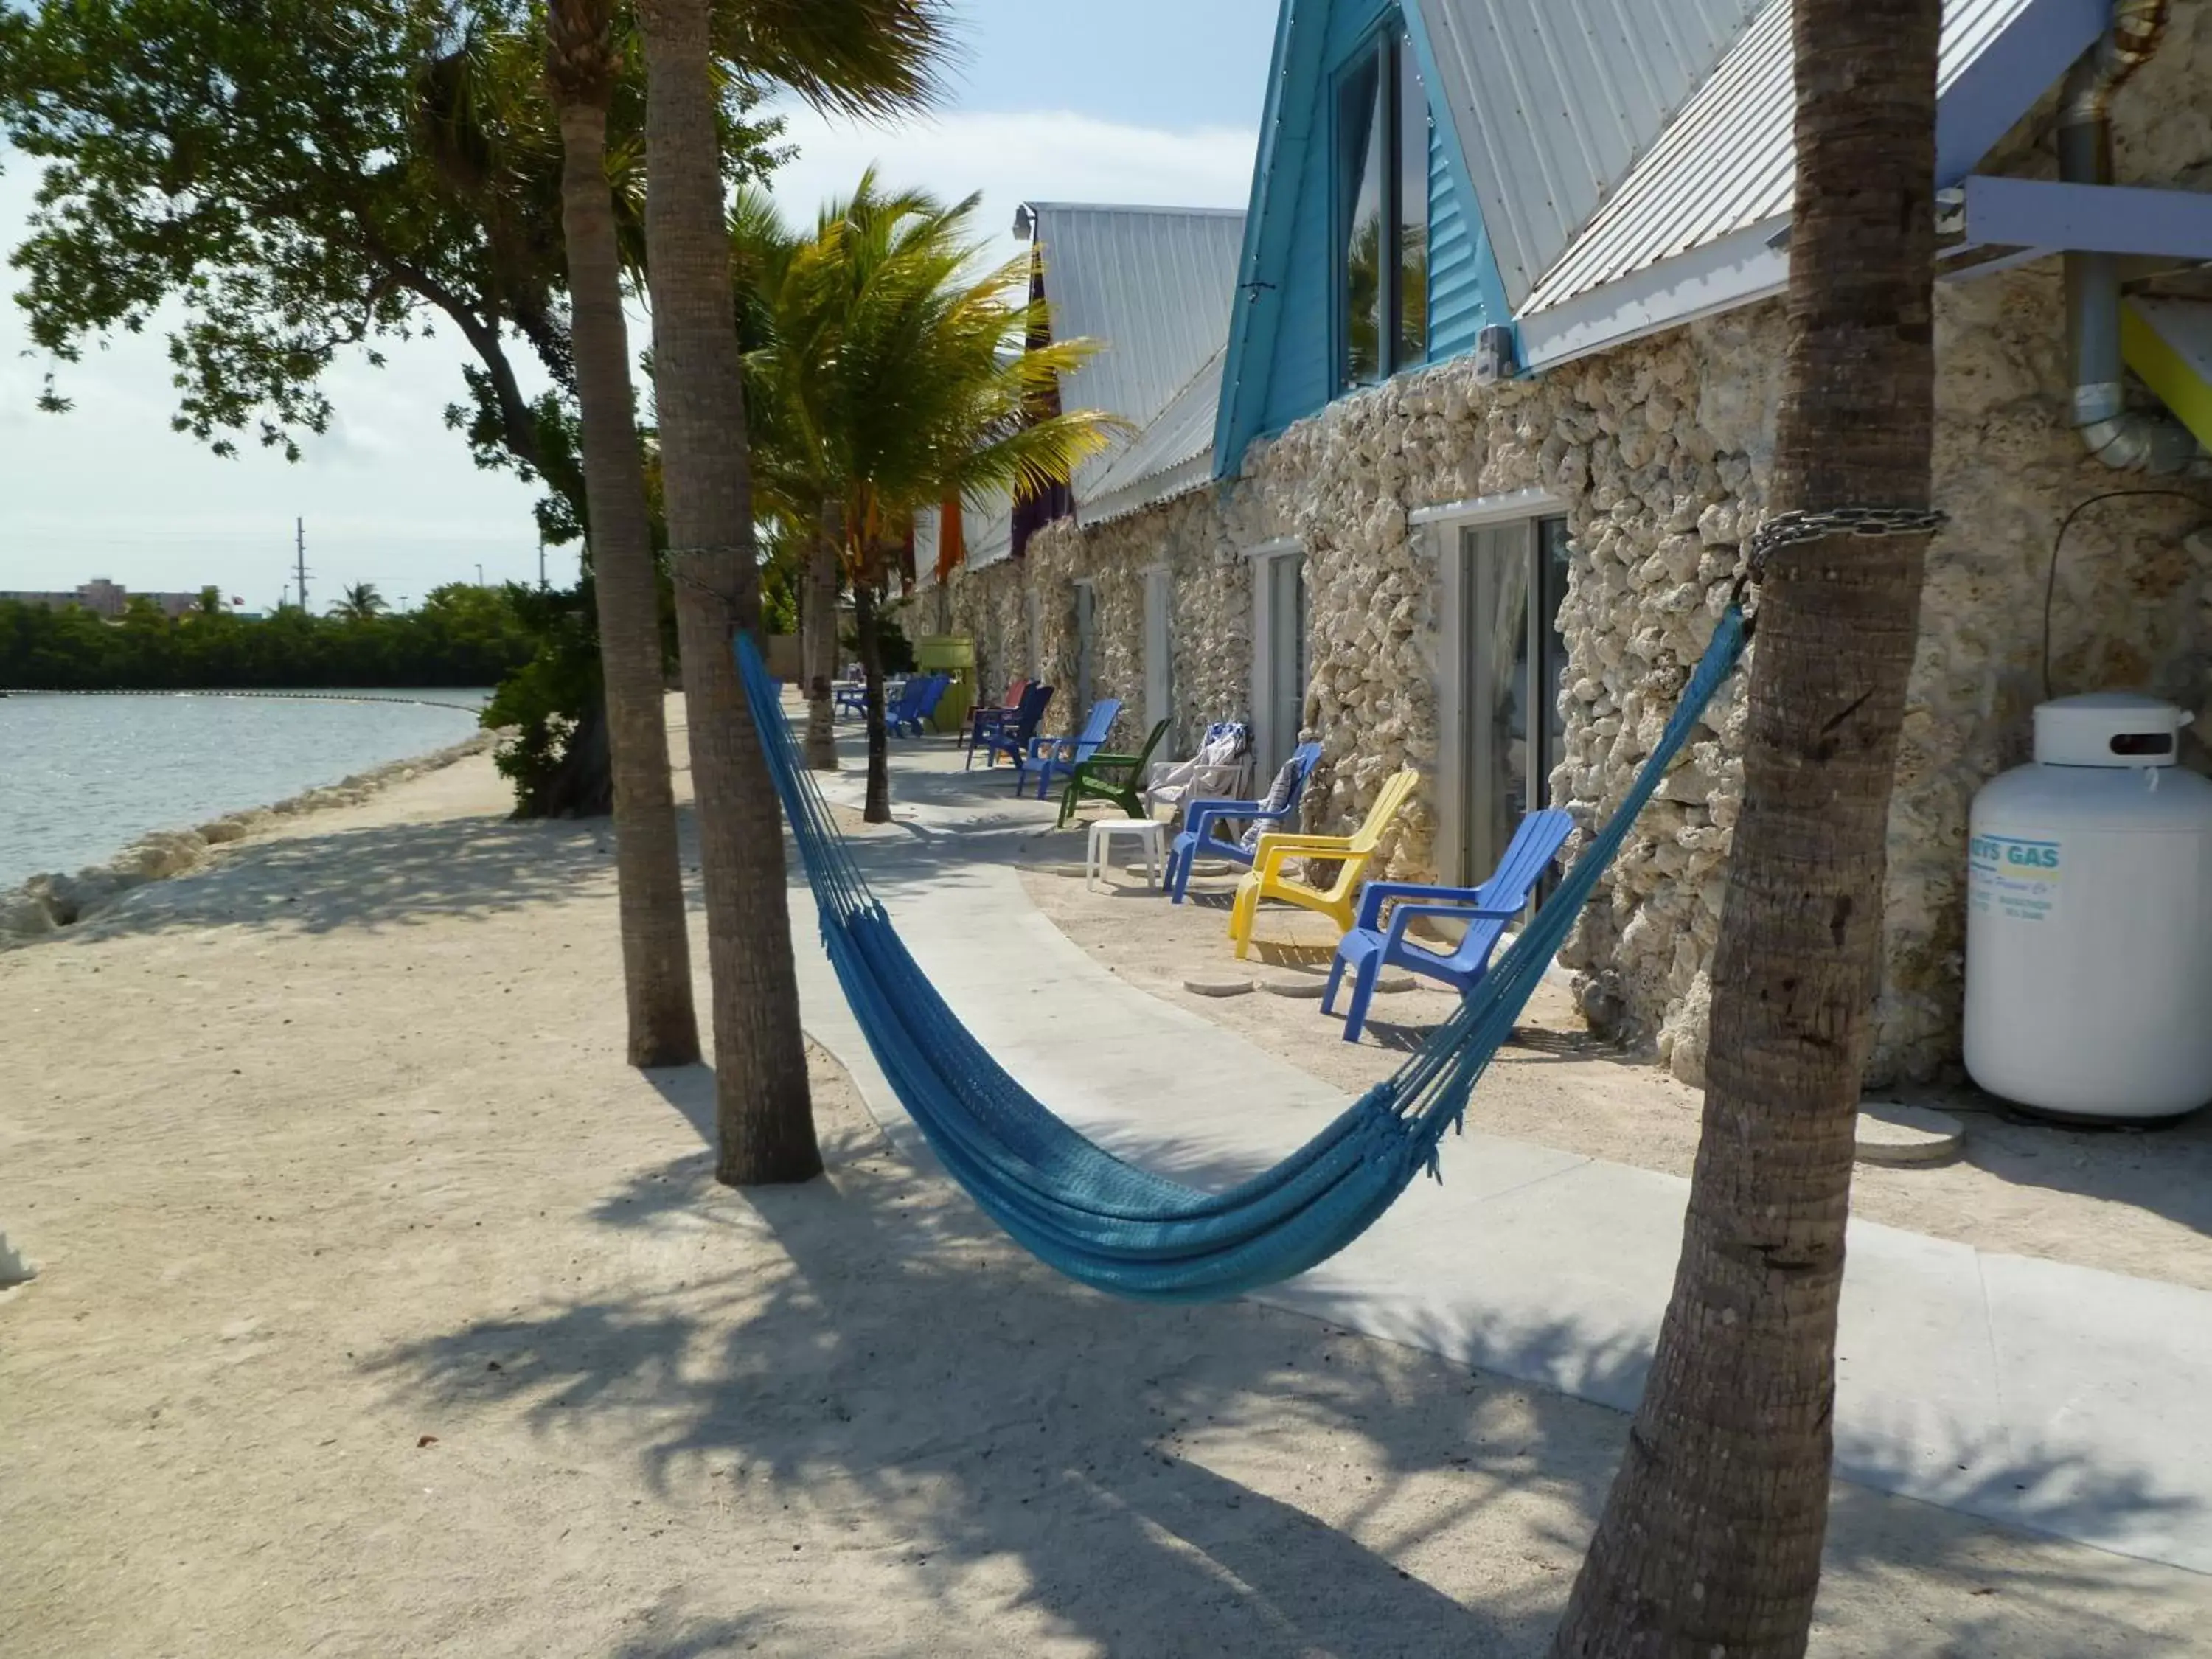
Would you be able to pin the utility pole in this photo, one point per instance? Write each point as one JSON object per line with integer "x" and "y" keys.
{"x": 299, "y": 555}
{"x": 541, "y": 559}
{"x": 480, "y": 581}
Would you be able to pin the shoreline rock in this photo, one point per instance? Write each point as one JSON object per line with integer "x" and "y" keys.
{"x": 46, "y": 904}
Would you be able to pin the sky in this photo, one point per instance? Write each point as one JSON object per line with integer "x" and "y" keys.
{"x": 1136, "y": 100}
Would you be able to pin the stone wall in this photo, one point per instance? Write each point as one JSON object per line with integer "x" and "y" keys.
{"x": 1209, "y": 626}
{"x": 1654, "y": 496}
{"x": 1659, "y": 452}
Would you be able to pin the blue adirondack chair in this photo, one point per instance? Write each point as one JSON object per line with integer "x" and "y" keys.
{"x": 1486, "y": 909}
{"x": 1012, "y": 738}
{"x": 1058, "y": 754}
{"x": 897, "y": 704}
{"x": 987, "y": 718}
{"x": 919, "y": 704}
{"x": 931, "y": 698}
{"x": 1200, "y": 817}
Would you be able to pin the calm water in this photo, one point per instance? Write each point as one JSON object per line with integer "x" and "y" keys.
{"x": 80, "y": 777}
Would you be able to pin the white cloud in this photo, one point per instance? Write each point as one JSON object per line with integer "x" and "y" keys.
{"x": 108, "y": 489}
{"x": 1043, "y": 155}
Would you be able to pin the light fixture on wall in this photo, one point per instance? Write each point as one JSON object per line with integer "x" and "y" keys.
{"x": 1494, "y": 354}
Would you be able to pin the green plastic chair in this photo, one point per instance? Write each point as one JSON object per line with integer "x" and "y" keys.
{"x": 1117, "y": 778}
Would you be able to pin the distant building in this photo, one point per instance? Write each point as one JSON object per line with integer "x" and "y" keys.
{"x": 103, "y": 598}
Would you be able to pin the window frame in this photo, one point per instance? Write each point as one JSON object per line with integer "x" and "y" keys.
{"x": 1515, "y": 525}
{"x": 1280, "y": 675}
{"x": 1378, "y": 51}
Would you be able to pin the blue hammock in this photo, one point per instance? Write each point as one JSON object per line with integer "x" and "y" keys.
{"x": 1107, "y": 1222}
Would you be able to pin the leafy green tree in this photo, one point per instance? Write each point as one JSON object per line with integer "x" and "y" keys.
{"x": 279, "y": 183}
{"x": 898, "y": 376}
{"x": 583, "y": 58}
{"x": 358, "y": 603}
{"x": 261, "y": 170}
{"x": 878, "y": 51}
{"x": 461, "y": 635}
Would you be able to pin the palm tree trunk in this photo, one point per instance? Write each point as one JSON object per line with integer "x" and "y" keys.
{"x": 819, "y": 621}
{"x": 763, "y": 1113}
{"x": 877, "y": 807}
{"x": 1711, "y": 1539}
{"x": 664, "y": 1028}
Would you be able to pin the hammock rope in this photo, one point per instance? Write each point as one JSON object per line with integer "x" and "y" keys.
{"x": 1113, "y": 1224}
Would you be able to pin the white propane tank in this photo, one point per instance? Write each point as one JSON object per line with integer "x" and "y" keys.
{"x": 2089, "y": 917}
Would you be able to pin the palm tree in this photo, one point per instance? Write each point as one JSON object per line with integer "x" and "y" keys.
{"x": 358, "y": 603}
{"x": 899, "y": 370}
{"x": 583, "y": 60}
{"x": 791, "y": 483}
{"x": 859, "y": 53}
{"x": 1711, "y": 1539}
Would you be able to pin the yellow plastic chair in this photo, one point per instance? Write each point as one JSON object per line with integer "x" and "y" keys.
{"x": 1266, "y": 878}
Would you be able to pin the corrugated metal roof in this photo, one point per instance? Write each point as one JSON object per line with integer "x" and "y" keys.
{"x": 1728, "y": 161}
{"x": 987, "y": 534}
{"x": 1154, "y": 285}
{"x": 1170, "y": 457}
{"x": 1555, "y": 101}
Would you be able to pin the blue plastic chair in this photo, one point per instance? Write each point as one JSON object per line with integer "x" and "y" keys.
{"x": 1058, "y": 754}
{"x": 1200, "y": 817}
{"x": 984, "y": 719}
{"x": 897, "y": 700}
{"x": 920, "y": 703}
{"x": 1486, "y": 909}
{"x": 1012, "y": 738}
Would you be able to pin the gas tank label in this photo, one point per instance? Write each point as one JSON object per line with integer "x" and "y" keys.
{"x": 2012, "y": 876}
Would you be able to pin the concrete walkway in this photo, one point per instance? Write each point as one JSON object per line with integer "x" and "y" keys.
{"x": 2047, "y": 1396}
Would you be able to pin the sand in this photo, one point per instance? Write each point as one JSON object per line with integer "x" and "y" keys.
{"x": 382, "y": 1312}
{"x": 2138, "y": 1203}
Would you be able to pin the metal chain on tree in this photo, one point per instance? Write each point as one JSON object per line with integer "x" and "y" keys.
{"x": 1812, "y": 524}
{"x": 678, "y": 574}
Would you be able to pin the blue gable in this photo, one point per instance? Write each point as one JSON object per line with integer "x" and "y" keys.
{"x": 1281, "y": 362}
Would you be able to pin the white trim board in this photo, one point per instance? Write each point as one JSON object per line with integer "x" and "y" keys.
{"x": 1722, "y": 275}
{"x": 1530, "y": 503}
{"x": 1274, "y": 548}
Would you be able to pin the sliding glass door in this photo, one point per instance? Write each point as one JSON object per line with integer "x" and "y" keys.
{"x": 1279, "y": 656}
{"x": 1504, "y": 665}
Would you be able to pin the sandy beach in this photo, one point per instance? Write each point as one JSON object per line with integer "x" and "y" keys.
{"x": 381, "y": 1310}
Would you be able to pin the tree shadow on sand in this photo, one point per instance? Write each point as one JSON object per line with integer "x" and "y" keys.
{"x": 889, "y": 1362}
{"x": 384, "y": 876}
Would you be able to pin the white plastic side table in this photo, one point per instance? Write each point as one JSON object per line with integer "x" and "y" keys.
{"x": 1150, "y": 833}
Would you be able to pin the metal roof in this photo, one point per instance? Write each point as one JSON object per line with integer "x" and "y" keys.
{"x": 1171, "y": 457}
{"x": 1728, "y": 162}
{"x": 1555, "y": 101}
{"x": 987, "y": 534}
{"x": 1153, "y": 285}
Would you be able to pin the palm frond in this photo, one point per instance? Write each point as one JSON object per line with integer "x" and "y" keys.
{"x": 853, "y": 57}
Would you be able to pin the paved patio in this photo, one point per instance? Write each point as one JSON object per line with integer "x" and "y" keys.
{"x": 2035, "y": 1393}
